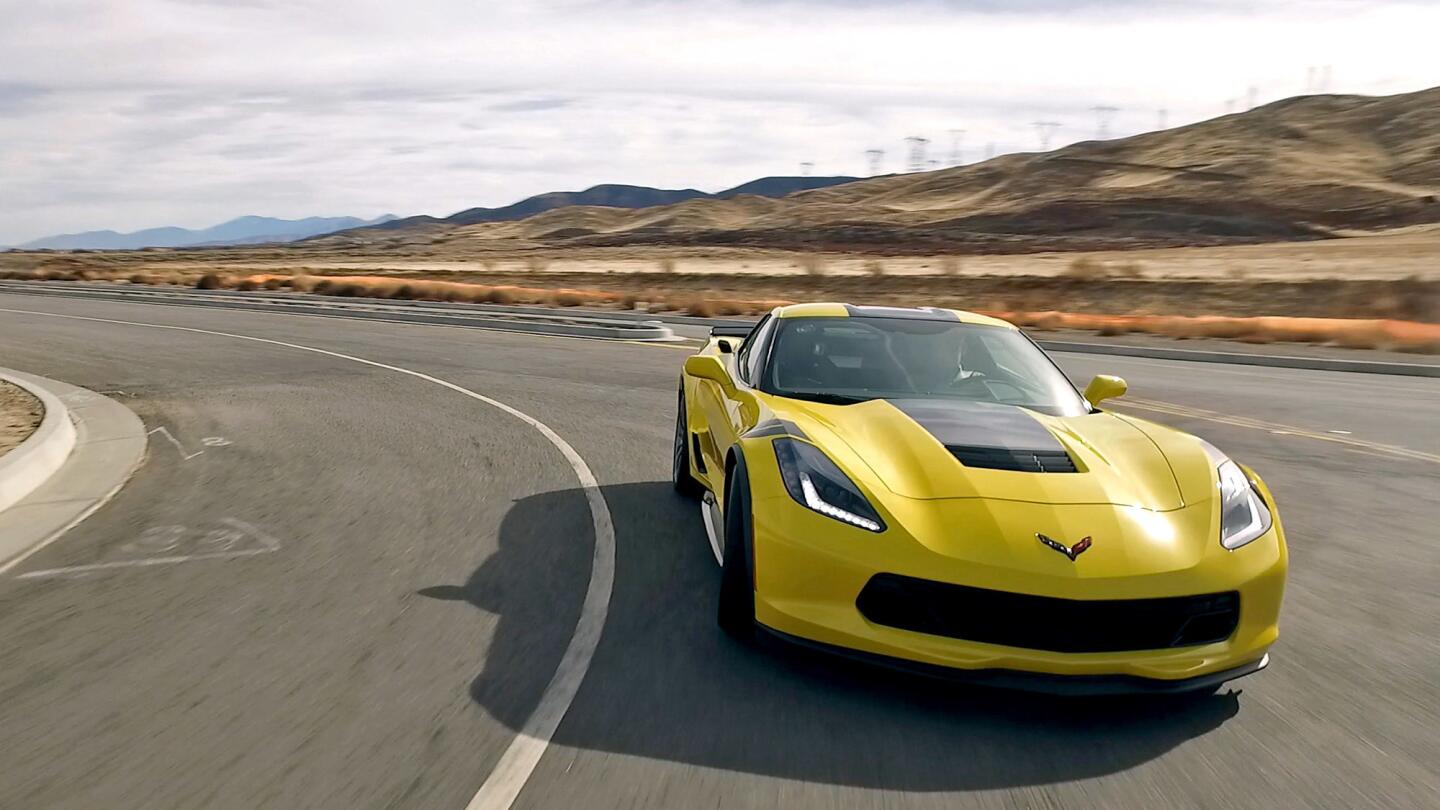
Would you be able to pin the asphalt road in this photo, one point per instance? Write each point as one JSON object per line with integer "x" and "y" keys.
{"x": 414, "y": 564}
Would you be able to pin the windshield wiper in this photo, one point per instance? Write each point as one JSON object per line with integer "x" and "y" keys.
{"x": 826, "y": 397}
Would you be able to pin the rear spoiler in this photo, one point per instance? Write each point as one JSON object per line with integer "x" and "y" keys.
{"x": 731, "y": 331}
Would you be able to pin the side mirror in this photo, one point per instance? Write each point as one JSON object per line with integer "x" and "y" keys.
{"x": 1104, "y": 387}
{"x": 709, "y": 367}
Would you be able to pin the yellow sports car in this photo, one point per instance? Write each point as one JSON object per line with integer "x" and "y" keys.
{"x": 924, "y": 488}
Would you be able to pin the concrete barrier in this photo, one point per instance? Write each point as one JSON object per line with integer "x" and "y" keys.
{"x": 26, "y": 467}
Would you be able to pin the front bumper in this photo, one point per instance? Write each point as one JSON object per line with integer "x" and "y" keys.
{"x": 1067, "y": 685}
{"x": 809, "y": 571}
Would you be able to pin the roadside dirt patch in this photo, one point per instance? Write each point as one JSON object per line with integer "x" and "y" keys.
{"x": 20, "y": 414}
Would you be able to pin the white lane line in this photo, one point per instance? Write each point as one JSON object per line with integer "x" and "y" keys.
{"x": 1373, "y": 448}
{"x": 184, "y": 456}
{"x": 524, "y": 752}
{"x": 1417, "y": 385}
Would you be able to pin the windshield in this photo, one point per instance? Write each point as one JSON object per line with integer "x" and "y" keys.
{"x": 845, "y": 360}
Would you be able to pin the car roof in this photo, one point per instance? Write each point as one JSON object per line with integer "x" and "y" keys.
{"x": 833, "y": 310}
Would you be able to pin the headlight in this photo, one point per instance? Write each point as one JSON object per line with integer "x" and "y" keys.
{"x": 814, "y": 481}
{"x": 1243, "y": 513}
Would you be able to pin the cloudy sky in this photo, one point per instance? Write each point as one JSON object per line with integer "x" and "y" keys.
{"x": 137, "y": 113}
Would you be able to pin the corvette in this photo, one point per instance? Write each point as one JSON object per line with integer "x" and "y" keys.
{"x": 923, "y": 488}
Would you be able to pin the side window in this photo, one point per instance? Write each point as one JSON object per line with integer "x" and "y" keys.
{"x": 753, "y": 350}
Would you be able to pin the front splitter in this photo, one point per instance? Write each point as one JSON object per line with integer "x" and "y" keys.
{"x": 1074, "y": 685}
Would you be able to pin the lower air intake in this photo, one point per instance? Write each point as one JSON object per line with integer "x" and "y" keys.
{"x": 1048, "y": 623}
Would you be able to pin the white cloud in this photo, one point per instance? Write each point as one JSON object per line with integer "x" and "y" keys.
{"x": 136, "y": 113}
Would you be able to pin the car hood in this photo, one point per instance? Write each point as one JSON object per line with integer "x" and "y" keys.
{"x": 911, "y": 447}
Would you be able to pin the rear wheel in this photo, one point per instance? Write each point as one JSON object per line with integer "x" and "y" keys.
{"x": 684, "y": 482}
{"x": 736, "y": 613}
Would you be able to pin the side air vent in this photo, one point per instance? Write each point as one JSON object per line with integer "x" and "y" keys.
{"x": 999, "y": 458}
{"x": 699, "y": 456}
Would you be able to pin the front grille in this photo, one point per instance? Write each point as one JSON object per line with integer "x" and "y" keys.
{"x": 998, "y": 458}
{"x": 1048, "y": 623}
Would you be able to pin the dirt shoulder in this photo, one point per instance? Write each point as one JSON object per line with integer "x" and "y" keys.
{"x": 20, "y": 415}
{"x": 1395, "y": 254}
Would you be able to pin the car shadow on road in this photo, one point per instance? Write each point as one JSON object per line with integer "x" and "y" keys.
{"x": 667, "y": 684}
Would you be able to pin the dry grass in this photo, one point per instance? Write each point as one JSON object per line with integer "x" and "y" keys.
{"x": 950, "y": 266}
{"x": 812, "y": 265}
{"x": 1086, "y": 269}
{"x": 1403, "y": 314}
{"x": 1396, "y": 335}
{"x": 569, "y": 298}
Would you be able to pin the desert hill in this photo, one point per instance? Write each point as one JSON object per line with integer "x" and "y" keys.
{"x": 1302, "y": 168}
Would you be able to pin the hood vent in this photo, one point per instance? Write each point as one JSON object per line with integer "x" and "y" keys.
{"x": 999, "y": 458}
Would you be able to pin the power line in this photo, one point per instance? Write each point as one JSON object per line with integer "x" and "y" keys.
{"x": 917, "y": 152}
{"x": 1046, "y": 130}
{"x": 1103, "y": 114}
{"x": 876, "y": 158}
{"x": 957, "y": 137}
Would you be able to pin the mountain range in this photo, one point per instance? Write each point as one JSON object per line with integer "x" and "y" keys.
{"x": 613, "y": 195}
{"x": 253, "y": 230}
{"x": 1308, "y": 167}
{"x": 249, "y": 230}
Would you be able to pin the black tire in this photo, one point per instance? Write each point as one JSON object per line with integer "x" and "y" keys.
{"x": 736, "y": 611}
{"x": 684, "y": 482}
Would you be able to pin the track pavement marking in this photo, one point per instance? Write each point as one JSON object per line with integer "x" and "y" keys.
{"x": 224, "y": 540}
{"x": 1278, "y": 429}
{"x": 523, "y": 754}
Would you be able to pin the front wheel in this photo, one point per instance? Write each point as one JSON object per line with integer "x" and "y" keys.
{"x": 736, "y": 613}
{"x": 684, "y": 482}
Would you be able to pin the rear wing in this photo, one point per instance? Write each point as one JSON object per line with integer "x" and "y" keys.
{"x": 728, "y": 338}
{"x": 731, "y": 331}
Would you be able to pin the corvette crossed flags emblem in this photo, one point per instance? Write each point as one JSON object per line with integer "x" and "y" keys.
{"x": 1069, "y": 551}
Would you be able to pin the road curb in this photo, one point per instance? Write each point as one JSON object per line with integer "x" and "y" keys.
{"x": 106, "y": 444}
{"x": 26, "y": 467}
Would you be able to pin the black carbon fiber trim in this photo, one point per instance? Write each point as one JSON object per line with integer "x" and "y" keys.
{"x": 775, "y": 427}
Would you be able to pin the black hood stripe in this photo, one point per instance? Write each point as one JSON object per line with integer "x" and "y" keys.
{"x": 988, "y": 425}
